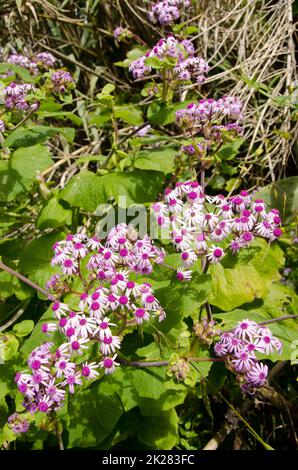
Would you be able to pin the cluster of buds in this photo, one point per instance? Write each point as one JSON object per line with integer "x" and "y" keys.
{"x": 206, "y": 330}
{"x": 174, "y": 55}
{"x": 18, "y": 424}
{"x": 15, "y": 96}
{"x": 167, "y": 11}
{"x": 238, "y": 348}
{"x": 122, "y": 33}
{"x": 108, "y": 303}
{"x": 209, "y": 226}
{"x": 179, "y": 368}
{"x": 62, "y": 82}
{"x": 34, "y": 64}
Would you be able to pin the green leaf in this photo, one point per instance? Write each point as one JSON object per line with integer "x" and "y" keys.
{"x": 154, "y": 62}
{"x": 93, "y": 416}
{"x": 24, "y": 328}
{"x": 245, "y": 277}
{"x": 17, "y": 175}
{"x": 282, "y": 195}
{"x": 10, "y": 346}
{"x": 132, "y": 55}
{"x": 61, "y": 115}
{"x": 129, "y": 113}
{"x": 137, "y": 186}
{"x": 108, "y": 89}
{"x": 29, "y": 136}
{"x": 52, "y": 215}
{"x": 229, "y": 150}
{"x": 149, "y": 383}
{"x": 157, "y": 159}
{"x": 35, "y": 260}
{"x": 18, "y": 70}
{"x": 162, "y": 114}
{"x": 84, "y": 190}
{"x": 159, "y": 432}
{"x": 183, "y": 299}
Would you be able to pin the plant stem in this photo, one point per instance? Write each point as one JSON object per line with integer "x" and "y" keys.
{"x": 16, "y": 316}
{"x": 24, "y": 119}
{"x": 59, "y": 437}
{"x": 6, "y": 150}
{"x": 24, "y": 279}
{"x": 274, "y": 320}
{"x": 124, "y": 362}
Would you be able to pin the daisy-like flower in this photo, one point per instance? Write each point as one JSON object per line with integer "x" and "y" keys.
{"x": 89, "y": 370}
{"x": 54, "y": 392}
{"x": 183, "y": 274}
{"x": 109, "y": 364}
{"x": 257, "y": 374}
{"x": 69, "y": 266}
{"x": 86, "y": 326}
{"x": 141, "y": 315}
{"x": 220, "y": 349}
{"x": 150, "y": 302}
{"x": 79, "y": 250}
{"x": 245, "y": 329}
{"x": 188, "y": 257}
{"x": 109, "y": 344}
{"x": 210, "y": 221}
{"x": 59, "y": 309}
{"x": 49, "y": 328}
{"x": 77, "y": 345}
{"x": 243, "y": 361}
{"x": 264, "y": 229}
{"x": 215, "y": 254}
{"x": 44, "y": 404}
{"x": 103, "y": 329}
{"x": 71, "y": 380}
{"x": 64, "y": 368}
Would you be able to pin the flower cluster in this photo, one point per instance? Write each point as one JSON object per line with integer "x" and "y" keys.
{"x": 172, "y": 54}
{"x": 167, "y": 11}
{"x": 18, "y": 424}
{"x": 62, "y": 81}
{"x": 122, "y": 33}
{"x": 209, "y": 226}
{"x": 208, "y": 111}
{"x": 15, "y": 96}
{"x": 108, "y": 303}
{"x": 33, "y": 64}
{"x": 239, "y": 347}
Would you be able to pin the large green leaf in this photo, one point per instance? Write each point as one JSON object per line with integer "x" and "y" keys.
{"x": 158, "y": 159}
{"x": 93, "y": 416}
{"x": 84, "y": 190}
{"x": 282, "y": 195}
{"x": 149, "y": 383}
{"x": 246, "y": 277}
{"x": 129, "y": 113}
{"x": 161, "y": 431}
{"x": 183, "y": 299}
{"x": 87, "y": 190}
{"x": 17, "y": 175}
{"x": 137, "y": 186}
{"x": 35, "y": 260}
{"x": 162, "y": 114}
{"x": 26, "y": 137}
{"x": 52, "y": 215}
